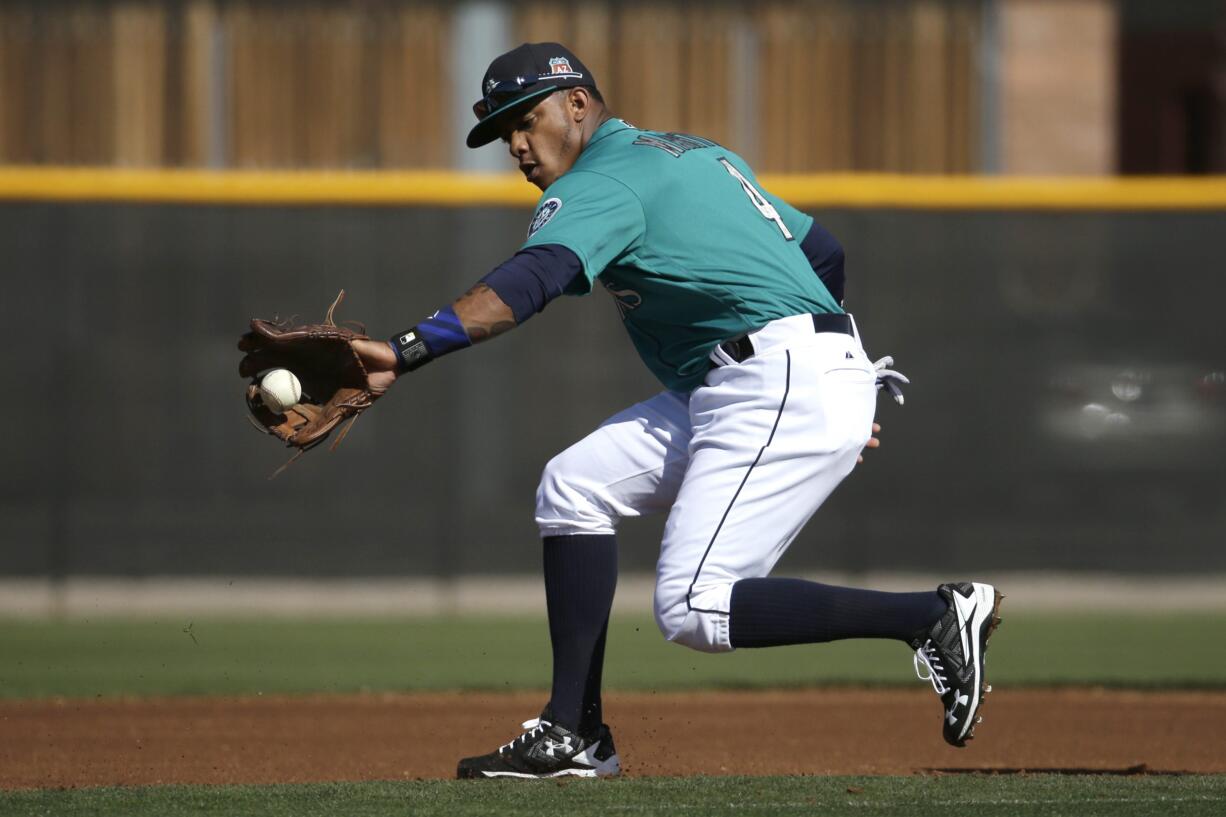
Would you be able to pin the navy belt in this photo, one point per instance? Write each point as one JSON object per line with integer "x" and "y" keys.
{"x": 741, "y": 348}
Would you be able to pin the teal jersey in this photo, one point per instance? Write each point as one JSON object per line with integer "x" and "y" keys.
{"x": 683, "y": 237}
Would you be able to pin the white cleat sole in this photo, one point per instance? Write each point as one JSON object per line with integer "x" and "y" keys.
{"x": 607, "y": 768}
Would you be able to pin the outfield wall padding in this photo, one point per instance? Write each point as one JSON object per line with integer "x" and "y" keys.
{"x": 1067, "y": 411}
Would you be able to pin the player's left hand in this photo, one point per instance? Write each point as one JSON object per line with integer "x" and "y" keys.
{"x": 382, "y": 367}
{"x": 873, "y": 442}
{"x": 889, "y": 379}
{"x": 336, "y": 380}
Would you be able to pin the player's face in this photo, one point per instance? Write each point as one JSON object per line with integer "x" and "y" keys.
{"x": 544, "y": 141}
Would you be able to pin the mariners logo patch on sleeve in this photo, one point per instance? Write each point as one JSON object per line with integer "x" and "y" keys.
{"x": 548, "y": 209}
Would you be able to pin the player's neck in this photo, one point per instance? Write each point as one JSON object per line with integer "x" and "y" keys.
{"x": 590, "y": 131}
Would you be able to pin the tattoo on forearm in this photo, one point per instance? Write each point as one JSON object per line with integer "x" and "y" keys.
{"x": 483, "y": 313}
{"x": 479, "y": 333}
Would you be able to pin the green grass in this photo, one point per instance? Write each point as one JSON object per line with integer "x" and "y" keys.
{"x": 231, "y": 656}
{"x": 981, "y": 795}
{"x": 144, "y": 657}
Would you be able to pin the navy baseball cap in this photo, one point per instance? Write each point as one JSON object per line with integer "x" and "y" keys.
{"x": 519, "y": 77}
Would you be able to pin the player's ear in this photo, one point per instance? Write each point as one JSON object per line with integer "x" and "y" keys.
{"x": 578, "y": 103}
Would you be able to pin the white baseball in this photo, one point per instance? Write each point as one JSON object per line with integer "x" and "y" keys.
{"x": 280, "y": 390}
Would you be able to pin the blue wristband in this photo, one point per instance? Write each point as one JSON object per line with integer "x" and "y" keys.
{"x": 411, "y": 351}
{"x": 436, "y": 336}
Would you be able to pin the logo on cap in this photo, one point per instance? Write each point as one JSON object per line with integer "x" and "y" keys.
{"x": 561, "y": 65}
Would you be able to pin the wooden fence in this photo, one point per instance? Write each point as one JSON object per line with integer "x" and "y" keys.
{"x": 798, "y": 85}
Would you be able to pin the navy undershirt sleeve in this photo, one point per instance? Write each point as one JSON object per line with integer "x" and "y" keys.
{"x": 533, "y": 277}
{"x": 825, "y": 255}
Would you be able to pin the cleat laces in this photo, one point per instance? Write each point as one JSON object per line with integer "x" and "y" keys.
{"x": 928, "y": 659}
{"x": 534, "y": 727}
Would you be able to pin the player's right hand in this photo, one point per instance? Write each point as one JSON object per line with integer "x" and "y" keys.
{"x": 873, "y": 442}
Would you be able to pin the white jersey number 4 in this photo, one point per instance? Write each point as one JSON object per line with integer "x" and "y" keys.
{"x": 767, "y": 209}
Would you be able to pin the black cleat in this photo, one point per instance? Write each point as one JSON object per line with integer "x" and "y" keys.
{"x": 952, "y": 652}
{"x": 547, "y": 750}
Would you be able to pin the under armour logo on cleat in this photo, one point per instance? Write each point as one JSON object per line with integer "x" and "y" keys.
{"x": 958, "y": 699}
{"x": 563, "y": 745}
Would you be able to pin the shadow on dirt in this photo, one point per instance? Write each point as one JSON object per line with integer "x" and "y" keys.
{"x": 1139, "y": 770}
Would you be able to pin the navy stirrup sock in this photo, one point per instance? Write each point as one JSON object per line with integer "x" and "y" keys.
{"x": 580, "y": 577}
{"x": 775, "y": 612}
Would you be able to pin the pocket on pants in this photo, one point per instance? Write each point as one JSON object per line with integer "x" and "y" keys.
{"x": 853, "y": 391}
{"x": 851, "y": 374}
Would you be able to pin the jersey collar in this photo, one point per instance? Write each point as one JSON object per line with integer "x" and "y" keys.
{"x": 612, "y": 126}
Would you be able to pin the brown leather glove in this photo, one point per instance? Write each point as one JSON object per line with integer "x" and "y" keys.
{"x": 333, "y": 377}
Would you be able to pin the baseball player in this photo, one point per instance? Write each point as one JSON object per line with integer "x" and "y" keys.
{"x": 733, "y": 300}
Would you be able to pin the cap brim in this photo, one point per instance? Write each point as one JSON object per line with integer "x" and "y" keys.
{"x": 486, "y": 130}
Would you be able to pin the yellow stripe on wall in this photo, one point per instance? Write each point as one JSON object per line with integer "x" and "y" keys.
{"x": 448, "y": 189}
{"x": 1001, "y": 192}
{"x": 434, "y": 188}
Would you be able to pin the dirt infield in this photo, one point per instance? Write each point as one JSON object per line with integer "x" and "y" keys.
{"x": 378, "y": 737}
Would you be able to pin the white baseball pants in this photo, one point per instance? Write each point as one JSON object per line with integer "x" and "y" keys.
{"x": 740, "y": 463}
